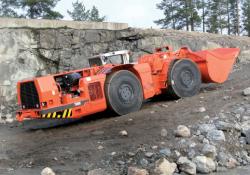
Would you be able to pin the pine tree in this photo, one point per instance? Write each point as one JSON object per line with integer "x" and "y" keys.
{"x": 95, "y": 16}
{"x": 40, "y": 9}
{"x": 193, "y": 14}
{"x": 234, "y": 17}
{"x": 202, "y": 5}
{"x": 228, "y": 18}
{"x": 169, "y": 8}
{"x": 7, "y": 8}
{"x": 80, "y": 13}
{"x": 217, "y": 16}
{"x": 246, "y": 16}
{"x": 179, "y": 14}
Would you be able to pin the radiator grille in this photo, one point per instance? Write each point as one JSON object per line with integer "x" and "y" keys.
{"x": 29, "y": 96}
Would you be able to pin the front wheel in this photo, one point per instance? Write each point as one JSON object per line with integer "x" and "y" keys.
{"x": 184, "y": 79}
{"x": 123, "y": 92}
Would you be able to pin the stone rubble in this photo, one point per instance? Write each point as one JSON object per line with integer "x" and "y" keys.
{"x": 165, "y": 152}
{"x": 205, "y": 128}
{"x": 209, "y": 151}
{"x": 186, "y": 165}
{"x": 216, "y": 136}
{"x": 164, "y": 167}
{"x": 123, "y": 133}
{"x": 182, "y": 131}
{"x": 149, "y": 154}
{"x": 202, "y": 109}
{"x": 202, "y": 151}
{"x": 47, "y": 171}
{"x": 164, "y": 132}
{"x": 246, "y": 92}
{"x": 204, "y": 164}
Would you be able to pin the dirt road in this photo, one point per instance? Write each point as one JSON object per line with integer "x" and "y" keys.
{"x": 96, "y": 142}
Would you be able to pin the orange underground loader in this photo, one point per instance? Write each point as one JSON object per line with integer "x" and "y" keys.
{"x": 123, "y": 87}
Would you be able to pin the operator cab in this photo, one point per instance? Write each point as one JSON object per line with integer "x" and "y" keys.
{"x": 117, "y": 57}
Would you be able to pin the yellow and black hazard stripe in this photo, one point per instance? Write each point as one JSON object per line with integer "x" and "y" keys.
{"x": 67, "y": 113}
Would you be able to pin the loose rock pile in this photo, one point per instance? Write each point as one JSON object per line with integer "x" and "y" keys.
{"x": 216, "y": 144}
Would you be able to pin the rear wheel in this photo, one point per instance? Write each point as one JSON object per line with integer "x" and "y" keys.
{"x": 123, "y": 92}
{"x": 184, "y": 79}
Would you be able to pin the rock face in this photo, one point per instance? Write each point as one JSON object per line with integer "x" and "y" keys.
{"x": 27, "y": 52}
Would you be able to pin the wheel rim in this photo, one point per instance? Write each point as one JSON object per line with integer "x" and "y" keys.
{"x": 187, "y": 78}
{"x": 126, "y": 93}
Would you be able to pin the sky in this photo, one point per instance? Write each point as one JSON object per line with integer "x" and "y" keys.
{"x": 137, "y": 13}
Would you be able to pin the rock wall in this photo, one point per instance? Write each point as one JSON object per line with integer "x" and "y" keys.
{"x": 29, "y": 52}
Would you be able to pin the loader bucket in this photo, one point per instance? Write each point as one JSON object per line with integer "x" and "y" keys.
{"x": 215, "y": 65}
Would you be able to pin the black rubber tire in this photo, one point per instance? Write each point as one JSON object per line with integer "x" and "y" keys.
{"x": 184, "y": 79}
{"x": 123, "y": 92}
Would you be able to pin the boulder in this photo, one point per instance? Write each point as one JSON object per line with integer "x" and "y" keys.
{"x": 245, "y": 127}
{"x": 245, "y": 118}
{"x": 216, "y": 136}
{"x": 225, "y": 126}
{"x": 182, "y": 131}
{"x": 247, "y": 133}
{"x": 47, "y": 171}
{"x": 209, "y": 151}
{"x": 186, "y": 165}
{"x": 144, "y": 162}
{"x": 226, "y": 160}
{"x": 123, "y": 133}
{"x": 205, "y": 128}
{"x": 164, "y": 133}
{"x": 246, "y": 92}
{"x": 204, "y": 164}
{"x": 165, "y": 152}
{"x": 149, "y": 154}
{"x": 164, "y": 167}
{"x": 202, "y": 109}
